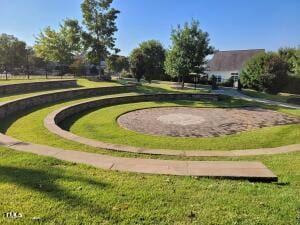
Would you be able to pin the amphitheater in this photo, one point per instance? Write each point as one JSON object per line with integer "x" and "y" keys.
{"x": 169, "y": 133}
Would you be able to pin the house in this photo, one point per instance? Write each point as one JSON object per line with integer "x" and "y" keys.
{"x": 227, "y": 64}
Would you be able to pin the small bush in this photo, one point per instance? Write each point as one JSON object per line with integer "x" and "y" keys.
{"x": 228, "y": 83}
{"x": 292, "y": 85}
{"x": 294, "y": 101}
{"x": 265, "y": 72}
{"x": 125, "y": 74}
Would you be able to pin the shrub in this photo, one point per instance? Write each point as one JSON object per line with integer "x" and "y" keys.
{"x": 228, "y": 83}
{"x": 125, "y": 74}
{"x": 214, "y": 84}
{"x": 294, "y": 101}
{"x": 265, "y": 72}
{"x": 293, "y": 85}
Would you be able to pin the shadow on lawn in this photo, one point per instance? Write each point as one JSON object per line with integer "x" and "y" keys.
{"x": 46, "y": 182}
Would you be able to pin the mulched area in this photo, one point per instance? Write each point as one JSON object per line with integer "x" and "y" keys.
{"x": 201, "y": 122}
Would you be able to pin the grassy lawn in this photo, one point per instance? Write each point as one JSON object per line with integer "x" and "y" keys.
{"x": 49, "y": 191}
{"x": 82, "y": 83}
{"x": 280, "y": 97}
{"x": 91, "y": 84}
{"x": 34, "y": 78}
{"x": 165, "y": 88}
{"x": 29, "y": 126}
{"x": 102, "y": 125}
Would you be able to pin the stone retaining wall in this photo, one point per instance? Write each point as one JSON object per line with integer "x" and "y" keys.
{"x": 36, "y": 86}
{"x": 8, "y": 108}
{"x": 77, "y": 108}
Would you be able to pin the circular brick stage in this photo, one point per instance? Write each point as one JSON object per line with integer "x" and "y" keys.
{"x": 201, "y": 122}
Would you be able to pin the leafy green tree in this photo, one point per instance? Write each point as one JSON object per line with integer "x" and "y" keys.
{"x": 152, "y": 53}
{"x": 190, "y": 46}
{"x": 154, "y": 58}
{"x": 137, "y": 63}
{"x": 117, "y": 63}
{"x": 292, "y": 57}
{"x": 13, "y": 52}
{"x": 60, "y": 46}
{"x": 265, "y": 72}
{"x": 251, "y": 73}
{"x": 99, "y": 19}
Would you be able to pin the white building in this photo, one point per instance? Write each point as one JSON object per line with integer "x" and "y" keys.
{"x": 227, "y": 64}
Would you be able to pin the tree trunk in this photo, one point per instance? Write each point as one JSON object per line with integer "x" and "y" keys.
{"x": 182, "y": 82}
{"x": 5, "y": 68}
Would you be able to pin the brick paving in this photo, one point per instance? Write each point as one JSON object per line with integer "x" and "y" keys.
{"x": 201, "y": 122}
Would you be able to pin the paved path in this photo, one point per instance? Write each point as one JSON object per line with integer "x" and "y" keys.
{"x": 234, "y": 93}
{"x": 254, "y": 171}
{"x": 237, "y": 94}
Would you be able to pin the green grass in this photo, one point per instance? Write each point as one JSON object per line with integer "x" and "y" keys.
{"x": 82, "y": 83}
{"x": 50, "y": 191}
{"x": 280, "y": 97}
{"x": 32, "y": 79}
{"x": 102, "y": 125}
{"x": 164, "y": 87}
{"x": 91, "y": 84}
{"x": 29, "y": 126}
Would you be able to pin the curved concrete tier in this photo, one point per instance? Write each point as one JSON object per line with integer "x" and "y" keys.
{"x": 8, "y": 89}
{"x": 52, "y": 121}
{"x": 255, "y": 171}
{"x": 10, "y": 107}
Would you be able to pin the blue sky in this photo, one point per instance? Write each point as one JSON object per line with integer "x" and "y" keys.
{"x": 232, "y": 24}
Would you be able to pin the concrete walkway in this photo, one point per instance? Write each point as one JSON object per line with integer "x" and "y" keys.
{"x": 236, "y": 94}
{"x": 254, "y": 171}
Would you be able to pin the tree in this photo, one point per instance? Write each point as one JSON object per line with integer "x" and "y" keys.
{"x": 99, "y": 20}
{"x": 292, "y": 57}
{"x": 152, "y": 54}
{"x": 12, "y": 51}
{"x": 137, "y": 63}
{"x": 117, "y": 63}
{"x": 265, "y": 72}
{"x": 190, "y": 46}
{"x": 61, "y": 46}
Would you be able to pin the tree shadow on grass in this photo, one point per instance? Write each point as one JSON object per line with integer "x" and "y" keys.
{"x": 45, "y": 182}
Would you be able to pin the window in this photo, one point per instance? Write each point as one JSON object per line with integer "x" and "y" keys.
{"x": 219, "y": 78}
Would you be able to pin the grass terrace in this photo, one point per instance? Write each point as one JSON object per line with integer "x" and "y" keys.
{"x": 50, "y": 191}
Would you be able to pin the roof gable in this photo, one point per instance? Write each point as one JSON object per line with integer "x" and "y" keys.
{"x": 231, "y": 60}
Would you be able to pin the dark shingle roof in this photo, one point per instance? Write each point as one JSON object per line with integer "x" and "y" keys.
{"x": 231, "y": 60}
